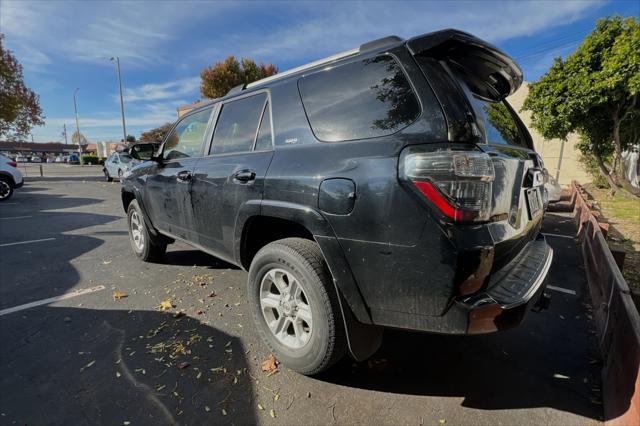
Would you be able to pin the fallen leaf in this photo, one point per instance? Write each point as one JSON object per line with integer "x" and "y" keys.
{"x": 560, "y": 376}
{"x": 224, "y": 412}
{"x": 199, "y": 312}
{"x": 126, "y": 423}
{"x": 442, "y": 421}
{"x": 67, "y": 319}
{"x": 260, "y": 407}
{"x": 270, "y": 365}
{"x": 166, "y": 305}
{"x": 272, "y": 413}
{"x": 183, "y": 365}
{"x": 207, "y": 408}
{"x": 88, "y": 365}
{"x": 118, "y": 375}
{"x": 117, "y": 295}
{"x": 106, "y": 262}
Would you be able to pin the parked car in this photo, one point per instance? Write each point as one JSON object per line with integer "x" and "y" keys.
{"x": 117, "y": 165}
{"x": 22, "y": 159}
{"x": 36, "y": 159}
{"x": 10, "y": 177}
{"x": 389, "y": 186}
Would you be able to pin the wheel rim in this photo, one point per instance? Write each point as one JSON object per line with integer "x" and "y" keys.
{"x": 285, "y": 308}
{"x": 137, "y": 231}
{"x": 5, "y": 189}
{"x": 119, "y": 173}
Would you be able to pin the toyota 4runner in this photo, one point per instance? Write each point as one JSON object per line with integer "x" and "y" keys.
{"x": 388, "y": 186}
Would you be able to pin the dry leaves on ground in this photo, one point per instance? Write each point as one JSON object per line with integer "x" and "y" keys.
{"x": 165, "y": 305}
{"x": 270, "y": 365}
{"x": 117, "y": 295}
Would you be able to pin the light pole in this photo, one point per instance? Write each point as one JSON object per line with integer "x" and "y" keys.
{"x": 75, "y": 107}
{"x": 124, "y": 127}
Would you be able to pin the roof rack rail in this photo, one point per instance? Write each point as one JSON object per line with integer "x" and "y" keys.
{"x": 363, "y": 47}
{"x": 381, "y": 42}
{"x": 237, "y": 89}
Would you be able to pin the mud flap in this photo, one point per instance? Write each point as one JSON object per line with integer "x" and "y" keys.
{"x": 363, "y": 339}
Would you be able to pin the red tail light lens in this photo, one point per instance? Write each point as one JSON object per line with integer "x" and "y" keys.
{"x": 458, "y": 183}
{"x": 12, "y": 164}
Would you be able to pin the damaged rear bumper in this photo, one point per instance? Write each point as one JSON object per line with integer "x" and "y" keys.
{"x": 511, "y": 291}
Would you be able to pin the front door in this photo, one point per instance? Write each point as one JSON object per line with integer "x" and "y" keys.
{"x": 168, "y": 190}
{"x": 232, "y": 173}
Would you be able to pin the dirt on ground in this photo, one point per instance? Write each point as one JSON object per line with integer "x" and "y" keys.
{"x": 622, "y": 212}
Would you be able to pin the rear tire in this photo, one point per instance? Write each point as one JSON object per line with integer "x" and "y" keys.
{"x": 295, "y": 306}
{"x": 107, "y": 177}
{"x": 6, "y": 188}
{"x": 143, "y": 244}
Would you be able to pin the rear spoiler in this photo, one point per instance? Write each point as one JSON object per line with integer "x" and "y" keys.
{"x": 489, "y": 72}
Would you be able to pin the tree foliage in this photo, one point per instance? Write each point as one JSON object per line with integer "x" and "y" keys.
{"x": 593, "y": 92}
{"x": 221, "y": 77}
{"x": 20, "y": 107}
{"x": 157, "y": 134}
{"x": 131, "y": 139}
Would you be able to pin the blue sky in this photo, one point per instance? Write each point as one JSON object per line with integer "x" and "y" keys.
{"x": 164, "y": 45}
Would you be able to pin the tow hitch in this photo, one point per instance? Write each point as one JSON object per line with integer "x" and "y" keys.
{"x": 543, "y": 303}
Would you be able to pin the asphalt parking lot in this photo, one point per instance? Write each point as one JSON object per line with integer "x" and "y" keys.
{"x": 90, "y": 358}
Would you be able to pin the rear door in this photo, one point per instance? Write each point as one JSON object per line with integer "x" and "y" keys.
{"x": 232, "y": 172}
{"x": 168, "y": 190}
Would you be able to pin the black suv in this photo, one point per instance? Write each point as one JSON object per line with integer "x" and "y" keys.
{"x": 387, "y": 186}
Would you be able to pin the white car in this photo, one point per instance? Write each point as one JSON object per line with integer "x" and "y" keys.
{"x": 36, "y": 159}
{"x": 10, "y": 177}
{"x": 117, "y": 164}
{"x": 22, "y": 159}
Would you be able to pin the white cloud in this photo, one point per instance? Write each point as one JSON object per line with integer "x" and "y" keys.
{"x": 159, "y": 91}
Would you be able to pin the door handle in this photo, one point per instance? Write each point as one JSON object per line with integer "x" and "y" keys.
{"x": 184, "y": 176}
{"x": 244, "y": 176}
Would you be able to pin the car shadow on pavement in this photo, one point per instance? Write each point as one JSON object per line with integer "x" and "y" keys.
{"x": 188, "y": 257}
{"x": 116, "y": 366}
{"x": 492, "y": 372}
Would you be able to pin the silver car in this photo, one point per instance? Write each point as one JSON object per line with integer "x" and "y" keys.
{"x": 117, "y": 164}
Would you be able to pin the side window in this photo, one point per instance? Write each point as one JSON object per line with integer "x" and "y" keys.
{"x": 237, "y": 125}
{"x": 187, "y": 137}
{"x": 364, "y": 99}
{"x": 499, "y": 124}
{"x": 263, "y": 142}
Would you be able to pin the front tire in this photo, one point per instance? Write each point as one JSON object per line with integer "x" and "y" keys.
{"x": 6, "y": 188}
{"x": 120, "y": 174}
{"x": 107, "y": 177}
{"x": 295, "y": 306}
{"x": 143, "y": 245}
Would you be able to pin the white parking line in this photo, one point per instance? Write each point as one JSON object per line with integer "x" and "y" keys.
{"x": 558, "y": 235}
{"x": 26, "y": 242}
{"x": 15, "y": 217}
{"x": 561, "y": 290}
{"x": 51, "y": 299}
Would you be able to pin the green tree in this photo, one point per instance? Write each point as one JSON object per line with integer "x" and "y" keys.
{"x": 20, "y": 107}
{"x": 221, "y": 77}
{"x": 593, "y": 92}
{"x": 157, "y": 134}
{"x": 131, "y": 139}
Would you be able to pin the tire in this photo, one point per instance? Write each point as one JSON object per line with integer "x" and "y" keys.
{"x": 120, "y": 174}
{"x": 142, "y": 243}
{"x": 107, "y": 177}
{"x": 276, "y": 271}
{"x": 6, "y": 188}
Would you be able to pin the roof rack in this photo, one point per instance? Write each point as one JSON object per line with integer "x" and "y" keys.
{"x": 363, "y": 47}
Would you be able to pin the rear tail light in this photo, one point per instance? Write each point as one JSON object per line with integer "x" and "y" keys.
{"x": 12, "y": 164}
{"x": 458, "y": 183}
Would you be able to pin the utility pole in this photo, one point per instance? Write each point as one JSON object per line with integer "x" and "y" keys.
{"x": 124, "y": 127}
{"x": 75, "y": 107}
{"x": 64, "y": 132}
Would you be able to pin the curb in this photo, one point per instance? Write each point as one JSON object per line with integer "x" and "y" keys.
{"x": 616, "y": 318}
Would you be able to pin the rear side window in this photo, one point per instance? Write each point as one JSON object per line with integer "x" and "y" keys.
{"x": 237, "y": 125}
{"x": 364, "y": 99}
{"x": 187, "y": 137}
{"x": 498, "y": 123}
{"x": 263, "y": 141}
